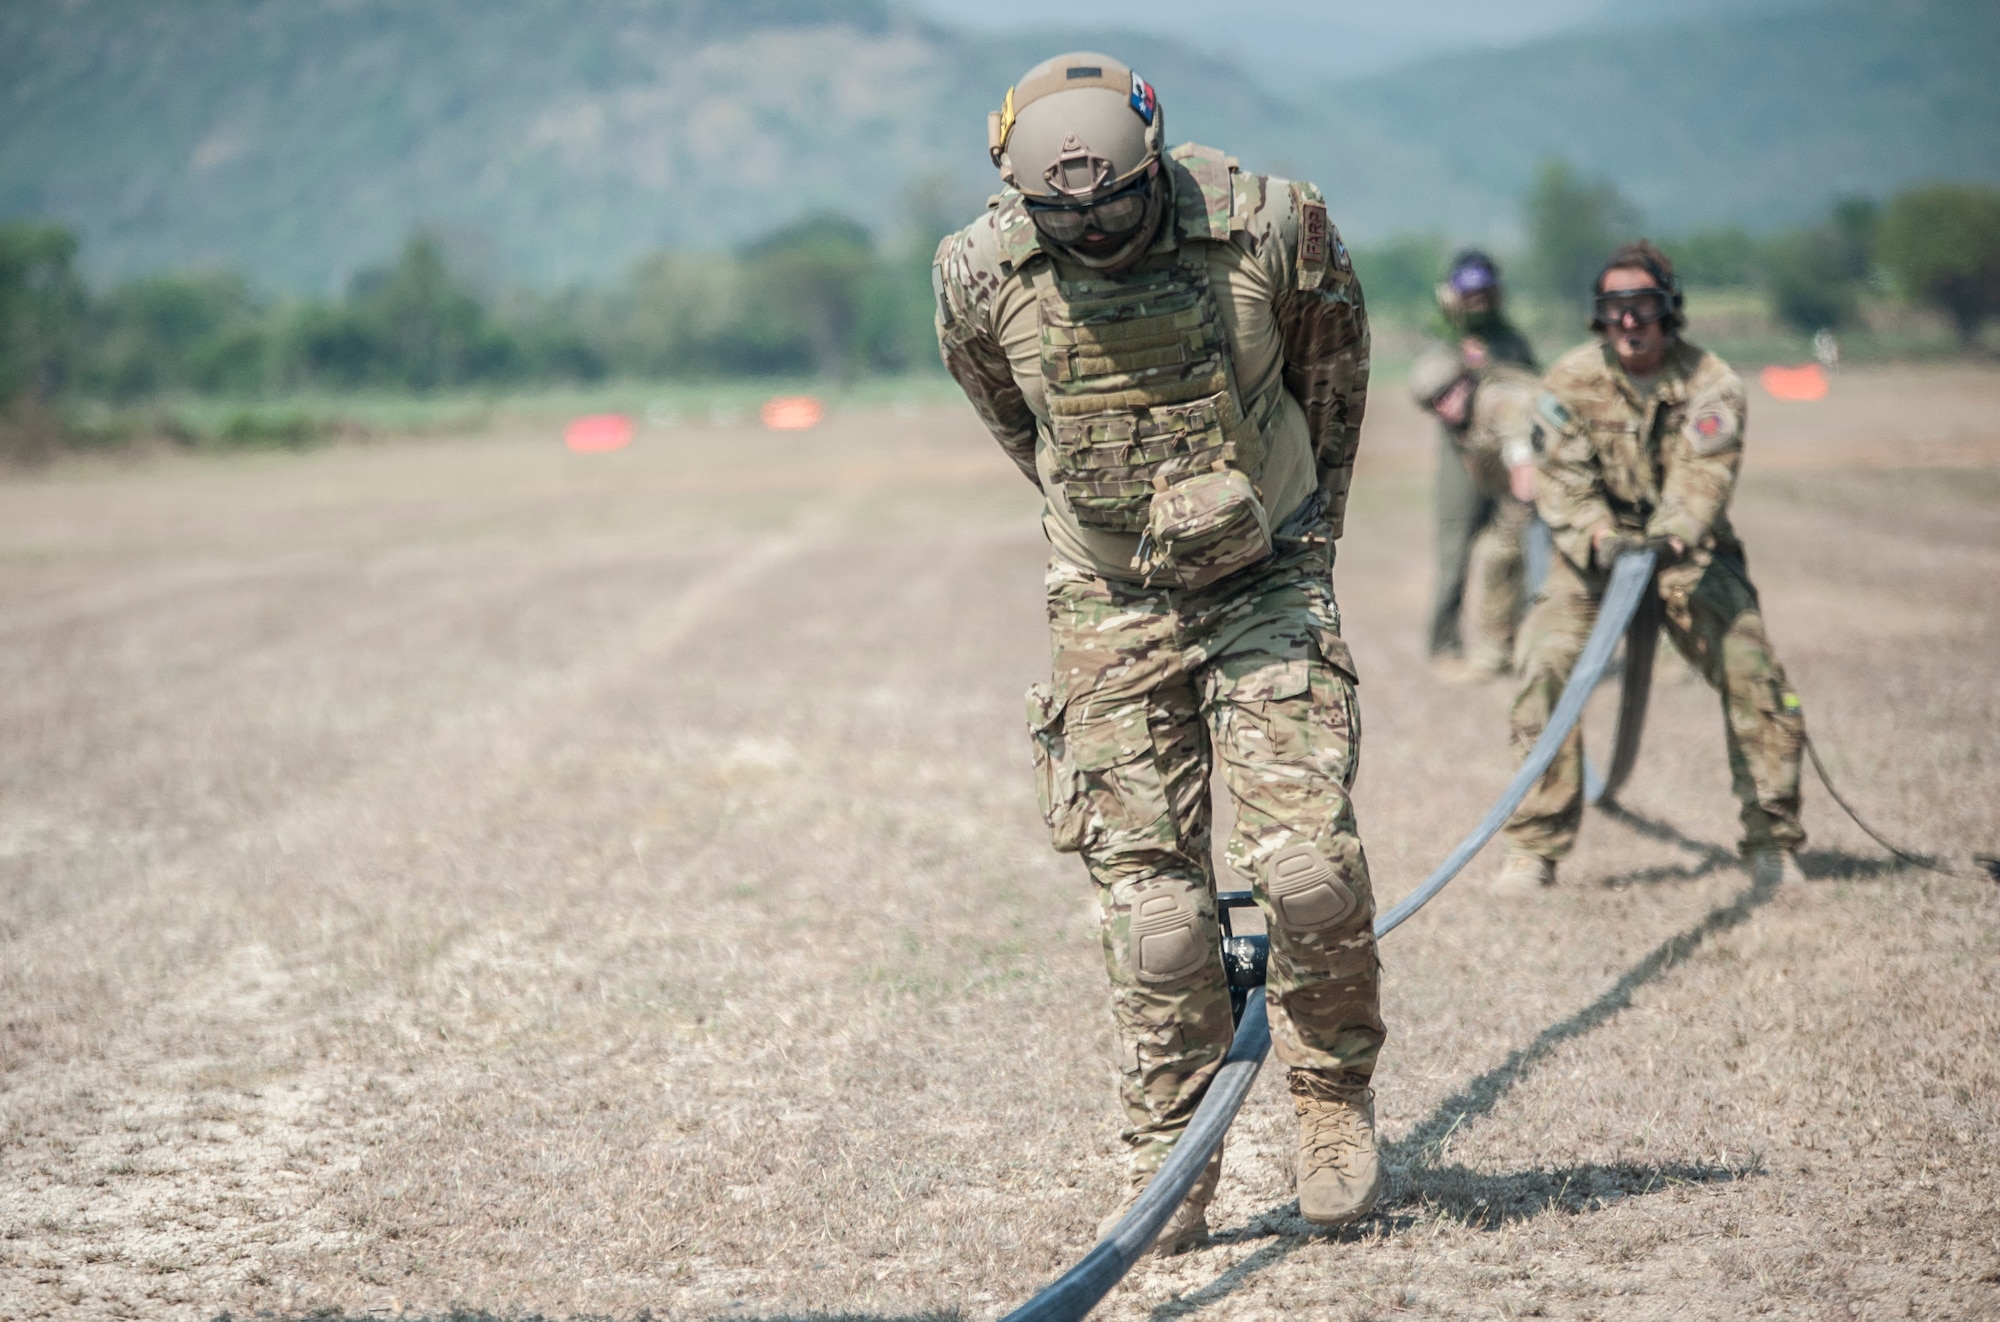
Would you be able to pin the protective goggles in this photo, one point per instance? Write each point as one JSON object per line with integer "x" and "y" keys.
{"x": 1644, "y": 306}
{"x": 1113, "y": 216}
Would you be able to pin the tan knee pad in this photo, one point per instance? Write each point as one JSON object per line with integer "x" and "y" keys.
{"x": 1167, "y": 934}
{"x": 1306, "y": 894}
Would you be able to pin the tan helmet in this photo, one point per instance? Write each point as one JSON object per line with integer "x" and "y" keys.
{"x": 1075, "y": 127}
{"x": 1436, "y": 370}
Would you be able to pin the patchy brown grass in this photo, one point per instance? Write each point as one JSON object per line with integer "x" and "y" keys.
{"x": 462, "y": 874}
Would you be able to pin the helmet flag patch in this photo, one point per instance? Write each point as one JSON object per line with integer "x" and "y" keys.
{"x": 1144, "y": 103}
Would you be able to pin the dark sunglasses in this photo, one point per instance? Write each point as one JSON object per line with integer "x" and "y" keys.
{"x": 1114, "y": 216}
{"x": 1644, "y": 306}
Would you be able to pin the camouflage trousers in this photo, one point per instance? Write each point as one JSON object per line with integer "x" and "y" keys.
{"x": 1149, "y": 685}
{"x": 1496, "y": 580}
{"x": 1709, "y": 610}
{"x": 1461, "y": 510}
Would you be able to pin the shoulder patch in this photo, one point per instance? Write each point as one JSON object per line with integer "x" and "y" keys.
{"x": 1318, "y": 242}
{"x": 1312, "y": 234}
{"x": 1713, "y": 427}
{"x": 1554, "y": 413}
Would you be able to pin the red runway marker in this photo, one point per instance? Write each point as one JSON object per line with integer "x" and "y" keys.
{"x": 598, "y": 433}
{"x": 1795, "y": 383}
{"x": 792, "y": 412}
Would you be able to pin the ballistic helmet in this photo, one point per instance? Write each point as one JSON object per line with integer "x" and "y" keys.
{"x": 1076, "y": 128}
{"x": 1435, "y": 371}
{"x": 1471, "y": 273}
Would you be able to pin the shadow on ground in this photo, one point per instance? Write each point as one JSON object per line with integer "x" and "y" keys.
{"x": 1709, "y": 857}
{"x": 643, "y": 1315}
{"x": 1422, "y": 1192}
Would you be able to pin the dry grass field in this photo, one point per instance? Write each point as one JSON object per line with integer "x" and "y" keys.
{"x": 455, "y": 873}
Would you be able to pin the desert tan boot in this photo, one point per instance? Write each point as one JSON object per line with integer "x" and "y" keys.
{"x": 1188, "y": 1226}
{"x": 1522, "y": 875}
{"x": 1775, "y": 867}
{"x": 1339, "y": 1172}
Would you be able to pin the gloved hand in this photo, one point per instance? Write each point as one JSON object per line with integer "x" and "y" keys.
{"x": 1606, "y": 549}
{"x": 1667, "y": 551}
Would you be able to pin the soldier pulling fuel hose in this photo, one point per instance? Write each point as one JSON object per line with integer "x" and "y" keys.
{"x": 1176, "y": 354}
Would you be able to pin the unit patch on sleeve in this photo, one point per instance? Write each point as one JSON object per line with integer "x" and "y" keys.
{"x": 1312, "y": 234}
{"x": 1553, "y": 411}
{"x": 1712, "y": 430}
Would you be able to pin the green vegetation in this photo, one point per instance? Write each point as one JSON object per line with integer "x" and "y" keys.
{"x": 1400, "y": 276}
{"x": 1790, "y": 282}
{"x": 417, "y": 341}
{"x": 40, "y": 297}
{"x": 812, "y": 300}
{"x": 1942, "y": 245}
{"x": 1573, "y": 224}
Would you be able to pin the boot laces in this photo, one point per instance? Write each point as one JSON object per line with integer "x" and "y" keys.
{"x": 1334, "y": 1120}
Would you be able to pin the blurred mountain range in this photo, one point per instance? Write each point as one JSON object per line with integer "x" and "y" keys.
{"x": 1316, "y": 41}
{"x": 299, "y": 140}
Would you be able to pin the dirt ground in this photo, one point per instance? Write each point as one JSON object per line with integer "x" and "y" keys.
{"x": 456, "y": 873}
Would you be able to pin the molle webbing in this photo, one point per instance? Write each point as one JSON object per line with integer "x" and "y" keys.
{"x": 1139, "y": 385}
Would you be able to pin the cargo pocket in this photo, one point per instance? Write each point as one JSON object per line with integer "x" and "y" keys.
{"x": 1055, "y": 774}
{"x": 1334, "y": 692}
{"x": 1259, "y": 721}
{"x": 1121, "y": 794}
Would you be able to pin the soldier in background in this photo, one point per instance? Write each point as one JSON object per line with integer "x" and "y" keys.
{"x": 1471, "y": 299}
{"x": 1643, "y": 437}
{"x": 1487, "y": 413}
{"x": 1176, "y": 354}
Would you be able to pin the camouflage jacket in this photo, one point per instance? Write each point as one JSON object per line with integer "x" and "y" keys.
{"x": 1658, "y": 464}
{"x": 1500, "y": 433}
{"x": 1289, "y": 302}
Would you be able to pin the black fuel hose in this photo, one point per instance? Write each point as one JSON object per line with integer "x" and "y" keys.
{"x": 1642, "y": 642}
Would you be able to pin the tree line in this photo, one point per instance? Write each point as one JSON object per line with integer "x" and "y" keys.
{"x": 816, "y": 297}
{"x": 1937, "y": 246}
{"x": 821, "y": 296}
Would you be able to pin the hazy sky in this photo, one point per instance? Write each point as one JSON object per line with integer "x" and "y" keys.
{"x": 1327, "y": 38}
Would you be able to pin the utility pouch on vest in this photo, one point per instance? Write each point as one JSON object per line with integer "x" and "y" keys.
{"x": 1204, "y": 528}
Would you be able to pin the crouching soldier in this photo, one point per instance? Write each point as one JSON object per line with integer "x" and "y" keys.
{"x": 1488, "y": 416}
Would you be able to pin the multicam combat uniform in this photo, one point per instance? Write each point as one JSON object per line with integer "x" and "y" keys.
{"x": 1497, "y": 437}
{"x": 1239, "y": 341}
{"x": 1463, "y": 509}
{"x": 1654, "y": 463}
